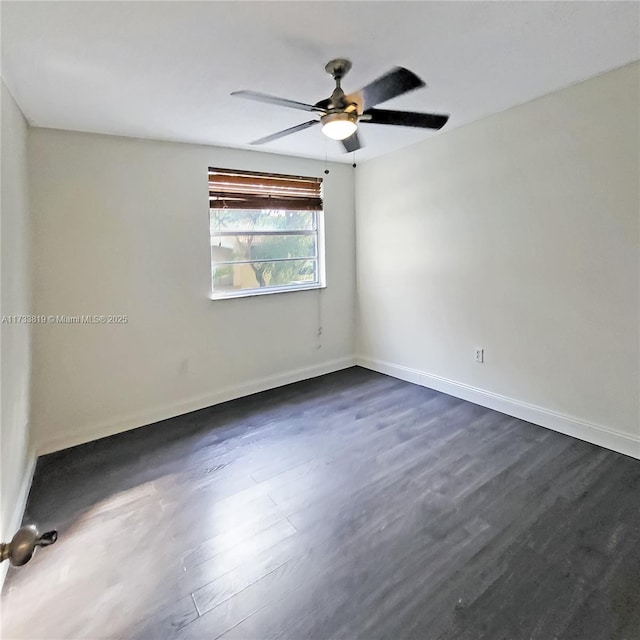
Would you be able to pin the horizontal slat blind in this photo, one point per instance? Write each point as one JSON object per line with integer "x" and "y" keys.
{"x": 231, "y": 189}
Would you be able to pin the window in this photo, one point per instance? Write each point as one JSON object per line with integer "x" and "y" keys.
{"x": 266, "y": 233}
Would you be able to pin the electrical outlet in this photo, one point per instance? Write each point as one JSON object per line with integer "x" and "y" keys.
{"x": 479, "y": 352}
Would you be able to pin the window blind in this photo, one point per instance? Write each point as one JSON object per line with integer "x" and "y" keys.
{"x": 229, "y": 189}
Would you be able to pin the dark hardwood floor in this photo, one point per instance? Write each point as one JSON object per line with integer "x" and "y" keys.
{"x": 350, "y": 506}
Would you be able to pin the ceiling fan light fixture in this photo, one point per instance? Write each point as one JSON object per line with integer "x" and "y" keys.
{"x": 339, "y": 126}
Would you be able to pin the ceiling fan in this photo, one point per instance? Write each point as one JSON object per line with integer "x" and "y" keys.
{"x": 341, "y": 113}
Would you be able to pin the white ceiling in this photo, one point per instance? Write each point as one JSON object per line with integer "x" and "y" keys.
{"x": 165, "y": 69}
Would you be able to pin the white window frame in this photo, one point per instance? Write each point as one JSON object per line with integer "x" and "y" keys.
{"x": 320, "y": 283}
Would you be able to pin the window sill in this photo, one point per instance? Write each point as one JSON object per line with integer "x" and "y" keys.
{"x": 249, "y": 293}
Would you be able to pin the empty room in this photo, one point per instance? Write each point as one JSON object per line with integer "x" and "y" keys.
{"x": 320, "y": 320}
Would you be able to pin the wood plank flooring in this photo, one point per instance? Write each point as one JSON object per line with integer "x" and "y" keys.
{"x": 349, "y": 506}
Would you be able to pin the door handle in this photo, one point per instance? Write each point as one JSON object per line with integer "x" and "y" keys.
{"x": 23, "y": 545}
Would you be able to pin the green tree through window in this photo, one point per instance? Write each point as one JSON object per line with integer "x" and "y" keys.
{"x": 279, "y": 247}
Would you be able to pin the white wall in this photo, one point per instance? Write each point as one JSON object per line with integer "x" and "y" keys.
{"x": 121, "y": 227}
{"x": 15, "y": 339}
{"x": 520, "y": 234}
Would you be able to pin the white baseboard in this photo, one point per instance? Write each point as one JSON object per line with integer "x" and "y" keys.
{"x": 569, "y": 425}
{"x": 15, "y": 520}
{"x": 132, "y": 421}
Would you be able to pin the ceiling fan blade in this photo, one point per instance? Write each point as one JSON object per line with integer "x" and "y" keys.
{"x": 283, "y": 102}
{"x": 392, "y": 84}
{"x": 323, "y": 104}
{"x": 286, "y": 132}
{"x": 352, "y": 143}
{"x": 405, "y": 118}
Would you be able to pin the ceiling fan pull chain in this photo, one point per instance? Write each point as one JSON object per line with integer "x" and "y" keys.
{"x": 326, "y": 162}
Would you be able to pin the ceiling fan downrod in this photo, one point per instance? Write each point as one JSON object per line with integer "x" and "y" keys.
{"x": 337, "y": 69}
